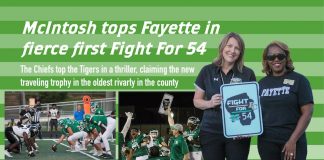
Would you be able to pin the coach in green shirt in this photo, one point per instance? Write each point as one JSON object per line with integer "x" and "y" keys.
{"x": 178, "y": 145}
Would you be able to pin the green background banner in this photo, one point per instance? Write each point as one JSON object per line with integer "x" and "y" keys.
{"x": 300, "y": 24}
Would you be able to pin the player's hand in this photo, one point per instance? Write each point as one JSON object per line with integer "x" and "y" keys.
{"x": 54, "y": 148}
{"x": 168, "y": 111}
{"x": 31, "y": 154}
{"x": 185, "y": 134}
{"x": 190, "y": 138}
{"x": 129, "y": 114}
{"x": 215, "y": 100}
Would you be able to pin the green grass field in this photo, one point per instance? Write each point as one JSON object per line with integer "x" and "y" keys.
{"x": 45, "y": 152}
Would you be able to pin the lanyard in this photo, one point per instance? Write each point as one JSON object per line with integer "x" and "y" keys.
{"x": 223, "y": 82}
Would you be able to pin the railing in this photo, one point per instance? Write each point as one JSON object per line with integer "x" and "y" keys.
{"x": 66, "y": 109}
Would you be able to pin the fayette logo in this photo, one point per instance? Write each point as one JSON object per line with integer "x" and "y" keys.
{"x": 215, "y": 79}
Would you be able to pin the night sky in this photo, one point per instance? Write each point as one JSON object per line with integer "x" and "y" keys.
{"x": 146, "y": 105}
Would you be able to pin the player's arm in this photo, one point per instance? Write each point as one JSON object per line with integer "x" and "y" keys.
{"x": 186, "y": 156}
{"x": 170, "y": 119}
{"x": 21, "y": 114}
{"x": 195, "y": 141}
{"x": 127, "y": 124}
{"x": 69, "y": 130}
{"x": 27, "y": 142}
{"x": 60, "y": 140}
{"x": 145, "y": 141}
{"x": 102, "y": 125}
{"x": 58, "y": 114}
{"x": 164, "y": 144}
{"x": 130, "y": 154}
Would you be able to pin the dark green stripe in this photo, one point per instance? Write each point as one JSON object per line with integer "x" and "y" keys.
{"x": 243, "y": 27}
{"x": 313, "y": 138}
{"x": 251, "y": 55}
{"x": 161, "y": 3}
{"x": 2, "y": 110}
{"x": 318, "y": 110}
{"x": 185, "y": 82}
{"x": 2, "y": 138}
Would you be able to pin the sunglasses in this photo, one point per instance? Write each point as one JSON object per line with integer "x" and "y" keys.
{"x": 280, "y": 56}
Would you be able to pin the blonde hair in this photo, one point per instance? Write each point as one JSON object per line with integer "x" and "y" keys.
{"x": 219, "y": 61}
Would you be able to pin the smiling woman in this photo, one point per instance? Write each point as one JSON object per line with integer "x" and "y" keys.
{"x": 57, "y": 28}
{"x": 227, "y": 68}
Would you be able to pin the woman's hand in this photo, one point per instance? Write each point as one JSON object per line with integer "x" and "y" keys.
{"x": 215, "y": 100}
{"x": 289, "y": 150}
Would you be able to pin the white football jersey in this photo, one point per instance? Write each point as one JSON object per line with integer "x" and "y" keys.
{"x": 20, "y": 130}
{"x": 53, "y": 113}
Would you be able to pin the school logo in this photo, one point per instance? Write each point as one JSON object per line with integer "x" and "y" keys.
{"x": 241, "y": 108}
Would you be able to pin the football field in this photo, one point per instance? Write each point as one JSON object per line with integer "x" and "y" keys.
{"x": 46, "y": 153}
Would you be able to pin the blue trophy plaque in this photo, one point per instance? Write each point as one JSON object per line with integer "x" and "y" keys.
{"x": 241, "y": 109}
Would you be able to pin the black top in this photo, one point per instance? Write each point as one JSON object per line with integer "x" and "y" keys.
{"x": 209, "y": 80}
{"x": 281, "y": 98}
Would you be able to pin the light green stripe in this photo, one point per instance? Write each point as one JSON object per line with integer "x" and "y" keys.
{"x": 251, "y": 40}
{"x": 163, "y": 13}
{"x": 314, "y": 152}
{"x": 318, "y": 97}
{"x": 2, "y": 148}
{"x": 2, "y": 124}
{"x": 151, "y": 3}
{"x": 316, "y": 125}
{"x": 305, "y": 68}
{"x": 2, "y": 93}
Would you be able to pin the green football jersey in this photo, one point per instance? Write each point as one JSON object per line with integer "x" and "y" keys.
{"x": 64, "y": 131}
{"x": 135, "y": 144}
{"x": 195, "y": 136}
{"x": 75, "y": 126}
{"x": 96, "y": 120}
{"x": 157, "y": 141}
{"x": 178, "y": 147}
{"x": 99, "y": 119}
{"x": 159, "y": 158}
{"x": 99, "y": 111}
{"x": 68, "y": 123}
{"x": 121, "y": 142}
{"x": 92, "y": 127}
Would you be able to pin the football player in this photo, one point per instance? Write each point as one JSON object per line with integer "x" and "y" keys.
{"x": 14, "y": 133}
{"x": 177, "y": 143}
{"x": 72, "y": 130}
{"x": 138, "y": 145}
{"x": 155, "y": 139}
{"x": 123, "y": 150}
{"x": 95, "y": 125}
{"x": 191, "y": 134}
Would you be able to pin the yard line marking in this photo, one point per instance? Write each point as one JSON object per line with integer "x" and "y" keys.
{"x": 80, "y": 151}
